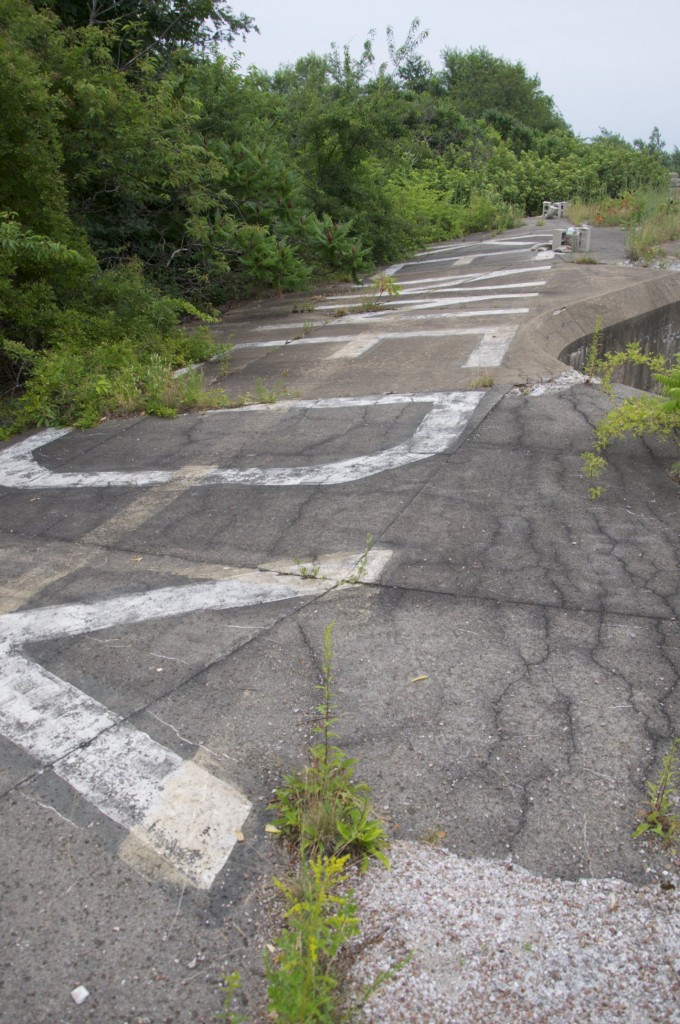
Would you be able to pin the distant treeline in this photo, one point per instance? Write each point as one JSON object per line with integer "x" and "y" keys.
{"x": 142, "y": 174}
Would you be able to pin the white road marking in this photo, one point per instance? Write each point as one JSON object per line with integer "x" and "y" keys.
{"x": 491, "y": 349}
{"x": 518, "y": 242}
{"x": 18, "y": 469}
{"x": 454, "y": 300}
{"x": 364, "y": 342}
{"x": 445, "y": 248}
{"x": 461, "y": 280}
{"x": 319, "y": 339}
{"x": 471, "y": 289}
{"x": 464, "y": 261}
{"x": 437, "y": 431}
{"x": 187, "y": 816}
{"x": 292, "y": 324}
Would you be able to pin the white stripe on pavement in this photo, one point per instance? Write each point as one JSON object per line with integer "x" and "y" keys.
{"x": 491, "y": 349}
{"x": 188, "y": 816}
{"x": 436, "y": 433}
{"x": 445, "y": 421}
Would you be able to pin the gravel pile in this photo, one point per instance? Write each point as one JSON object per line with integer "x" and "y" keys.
{"x": 492, "y": 943}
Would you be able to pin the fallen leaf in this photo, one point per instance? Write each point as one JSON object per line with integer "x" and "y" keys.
{"x": 419, "y": 679}
{"x": 273, "y": 829}
{"x": 240, "y": 837}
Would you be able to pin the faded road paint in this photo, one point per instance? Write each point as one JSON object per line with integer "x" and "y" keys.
{"x": 438, "y": 430}
{"x": 187, "y": 816}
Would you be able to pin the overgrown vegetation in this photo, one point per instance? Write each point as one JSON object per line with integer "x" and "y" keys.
{"x": 320, "y": 808}
{"x": 144, "y": 176}
{"x": 649, "y": 216}
{"x": 661, "y": 817}
{"x": 328, "y": 818}
{"x": 640, "y": 416}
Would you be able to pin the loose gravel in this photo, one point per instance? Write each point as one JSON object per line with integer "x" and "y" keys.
{"x": 490, "y": 942}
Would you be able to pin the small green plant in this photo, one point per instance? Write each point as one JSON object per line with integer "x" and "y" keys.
{"x": 319, "y": 919}
{"x": 303, "y": 307}
{"x": 638, "y": 416}
{"x": 661, "y": 817}
{"x": 265, "y": 395}
{"x": 308, "y": 570}
{"x": 433, "y": 835}
{"x": 328, "y": 817}
{"x": 593, "y": 466}
{"x": 383, "y": 284}
{"x": 386, "y": 284}
{"x": 593, "y": 349}
{"x": 321, "y": 807}
{"x": 307, "y": 328}
{"x": 230, "y": 986}
{"x": 362, "y": 565}
{"x": 222, "y": 359}
{"x": 485, "y": 381}
{"x": 585, "y": 258}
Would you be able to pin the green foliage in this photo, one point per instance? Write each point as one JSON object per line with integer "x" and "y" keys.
{"x": 328, "y": 815}
{"x": 661, "y": 816}
{"x": 132, "y": 148}
{"x": 321, "y": 807}
{"x": 362, "y": 565}
{"x": 231, "y": 984}
{"x": 641, "y": 416}
{"x": 319, "y": 920}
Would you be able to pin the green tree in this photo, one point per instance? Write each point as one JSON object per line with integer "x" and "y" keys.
{"x": 156, "y": 27}
{"x": 483, "y": 86}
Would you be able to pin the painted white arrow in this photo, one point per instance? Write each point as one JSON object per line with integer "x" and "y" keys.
{"x": 186, "y": 815}
{"x": 439, "y": 428}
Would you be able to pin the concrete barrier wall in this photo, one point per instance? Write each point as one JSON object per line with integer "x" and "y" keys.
{"x": 644, "y": 307}
{"x": 656, "y": 330}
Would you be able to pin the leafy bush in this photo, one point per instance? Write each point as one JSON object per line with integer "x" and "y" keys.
{"x": 641, "y": 416}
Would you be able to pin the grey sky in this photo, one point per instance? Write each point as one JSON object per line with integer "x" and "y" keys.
{"x": 609, "y": 63}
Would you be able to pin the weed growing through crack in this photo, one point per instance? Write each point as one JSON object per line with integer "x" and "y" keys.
{"x": 386, "y": 284}
{"x": 321, "y": 808}
{"x": 362, "y": 565}
{"x": 648, "y": 414}
{"x": 308, "y": 570}
{"x": 661, "y": 817}
{"x": 301, "y": 979}
{"x": 593, "y": 349}
{"x": 328, "y": 816}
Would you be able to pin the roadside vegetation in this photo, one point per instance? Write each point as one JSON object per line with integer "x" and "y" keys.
{"x": 145, "y": 177}
{"x": 326, "y": 817}
{"x": 644, "y": 415}
{"x": 649, "y": 216}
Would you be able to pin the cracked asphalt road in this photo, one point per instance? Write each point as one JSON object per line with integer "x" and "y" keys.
{"x": 506, "y": 670}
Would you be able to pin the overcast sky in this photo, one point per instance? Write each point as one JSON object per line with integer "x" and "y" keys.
{"x": 606, "y": 63}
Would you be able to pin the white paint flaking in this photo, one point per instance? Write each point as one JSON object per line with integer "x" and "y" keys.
{"x": 186, "y": 815}
{"x": 17, "y": 468}
{"x": 491, "y": 349}
{"x": 438, "y": 430}
{"x": 455, "y": 300}
{"x": 137, "y": 782}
